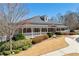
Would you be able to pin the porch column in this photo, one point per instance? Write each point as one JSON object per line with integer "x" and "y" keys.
{"x": 55, "y": 29}
{"x": 22, "y": 30}
{"x": 47, "y": 29}
{"x": 40, "y": 31}
{"x": 32, "y": 32}
{"x": 60, "y": 29}
{"x": 26, "y": 31}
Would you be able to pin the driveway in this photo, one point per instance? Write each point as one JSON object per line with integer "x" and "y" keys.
{"x": 72, "y": 48}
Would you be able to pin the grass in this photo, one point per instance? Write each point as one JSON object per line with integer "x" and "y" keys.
{"x": 44, "y": 47}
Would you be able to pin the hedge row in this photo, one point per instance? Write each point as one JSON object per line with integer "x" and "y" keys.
{"x": 38, "y": 39}
{"x": 65, "y": 33}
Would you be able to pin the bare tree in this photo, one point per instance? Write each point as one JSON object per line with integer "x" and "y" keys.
{"x": 58, "y": 17}
{"x": 53, "y": 19}
{"x": 71, "y": 20}
{"x": 10, "y": 15}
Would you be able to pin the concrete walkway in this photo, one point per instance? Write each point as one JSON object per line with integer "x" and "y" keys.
{"x": 72, "y": 48}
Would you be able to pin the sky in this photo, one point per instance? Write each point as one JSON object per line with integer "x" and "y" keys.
{"x": 50, "y": 9}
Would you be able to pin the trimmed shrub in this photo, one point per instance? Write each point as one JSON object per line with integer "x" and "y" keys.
{"x": 15, "y": 44}
{"x": 58, "y": 33}
{"x": 6, "y": 52}
{"x": 38, "y": 39}
{"x": 1, "y": 53}
{"x": 72, "y": 33}
{"x": 5, "y": 46}
{"x": 25, "y": 47}
{"x": 77, "y": 33}
{"x": 19, "y": 36}
{"x": 16, "y": 51}
{"x": 50, "y": 34}
{"x": 1, "y": 43}
{"x": 64, "y": 33}
{"x": 21, "y": 43}
{"x": 19, "y": 49}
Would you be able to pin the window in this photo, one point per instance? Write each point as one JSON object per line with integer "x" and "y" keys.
{"x": 28, "y": 29}
{"x": 36, "y": 29}
{"x": 50, "y": 29}
{"x": 58, "y": 29}
{"x": 24, "y": 30}
{"x": 44, "y": 29}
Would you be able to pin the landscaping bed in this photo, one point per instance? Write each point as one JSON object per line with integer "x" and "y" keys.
{"x": 45, "y": 46}
{"x": 19, "y": 43}
{"x": 17, "y": 46}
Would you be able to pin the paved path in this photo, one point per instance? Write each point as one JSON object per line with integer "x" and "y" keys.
{"x": 72, "y": 48}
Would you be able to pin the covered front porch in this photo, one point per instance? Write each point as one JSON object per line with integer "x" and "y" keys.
{"x": 36, "y": 30}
